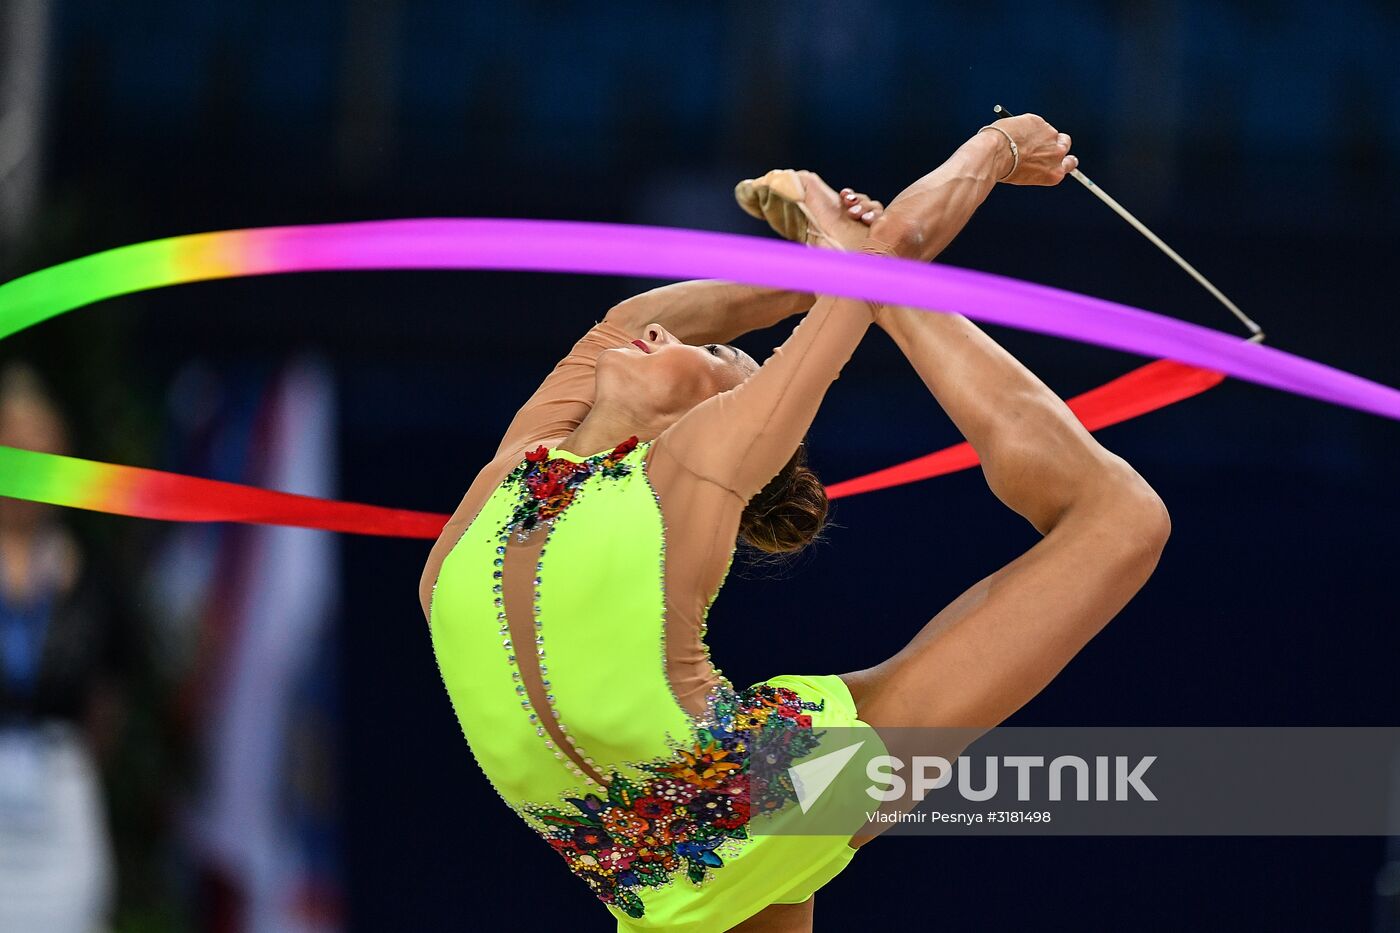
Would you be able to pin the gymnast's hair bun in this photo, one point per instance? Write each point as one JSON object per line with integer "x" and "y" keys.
{"x": 788, "y": 513}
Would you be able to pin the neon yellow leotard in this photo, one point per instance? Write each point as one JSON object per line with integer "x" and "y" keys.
{"x": 575, "y": 661}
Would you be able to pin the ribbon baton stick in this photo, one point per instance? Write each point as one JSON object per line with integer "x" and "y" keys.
{"x": 1138, "y": 225}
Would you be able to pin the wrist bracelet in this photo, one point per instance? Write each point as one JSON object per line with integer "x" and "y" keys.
{"x": 1015, "y": 153}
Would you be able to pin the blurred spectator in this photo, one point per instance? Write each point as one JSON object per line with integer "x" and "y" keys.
{"x": 59, "y": 657}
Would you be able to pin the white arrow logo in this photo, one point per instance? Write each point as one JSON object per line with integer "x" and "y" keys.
{"x": 811, "y": 778}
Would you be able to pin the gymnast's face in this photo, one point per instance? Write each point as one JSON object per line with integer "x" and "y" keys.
{"x": 662, "y": 377}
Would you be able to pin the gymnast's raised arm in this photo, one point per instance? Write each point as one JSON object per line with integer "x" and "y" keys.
{"x": 695, "y": 312}
{"x": 710, "y": 310}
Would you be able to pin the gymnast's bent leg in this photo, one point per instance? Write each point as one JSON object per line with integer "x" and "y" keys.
{"x": 999, "y": 643}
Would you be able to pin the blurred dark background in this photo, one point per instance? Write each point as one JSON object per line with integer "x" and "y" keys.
{"x": 1256, "y": 138}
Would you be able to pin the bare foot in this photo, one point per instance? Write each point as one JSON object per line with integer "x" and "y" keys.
{"x": 802, "y": 207}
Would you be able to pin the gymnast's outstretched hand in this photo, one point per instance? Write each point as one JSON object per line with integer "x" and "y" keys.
{"x": 1043, "y": 151}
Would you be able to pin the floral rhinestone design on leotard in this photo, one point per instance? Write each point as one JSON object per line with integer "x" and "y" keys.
{"x": 643, "y": 834}
{"x": 547, "y": 485}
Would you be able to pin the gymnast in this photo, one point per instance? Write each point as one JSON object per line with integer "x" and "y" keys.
{"x": 567, "y": 597}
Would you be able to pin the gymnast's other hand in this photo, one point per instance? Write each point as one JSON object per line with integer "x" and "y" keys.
{"x": 843, "y": 218}
{"x": 862, "y": 206}
{"x": 1044, "y": 151}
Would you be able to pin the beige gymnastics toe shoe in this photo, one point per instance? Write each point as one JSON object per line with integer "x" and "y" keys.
{"x": 777, "y": 197}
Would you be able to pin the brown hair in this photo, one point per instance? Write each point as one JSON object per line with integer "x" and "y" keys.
{"x": 789, "y": 512}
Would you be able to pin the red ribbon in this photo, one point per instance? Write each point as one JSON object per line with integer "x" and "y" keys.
{"x": 1147, "y": 388}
